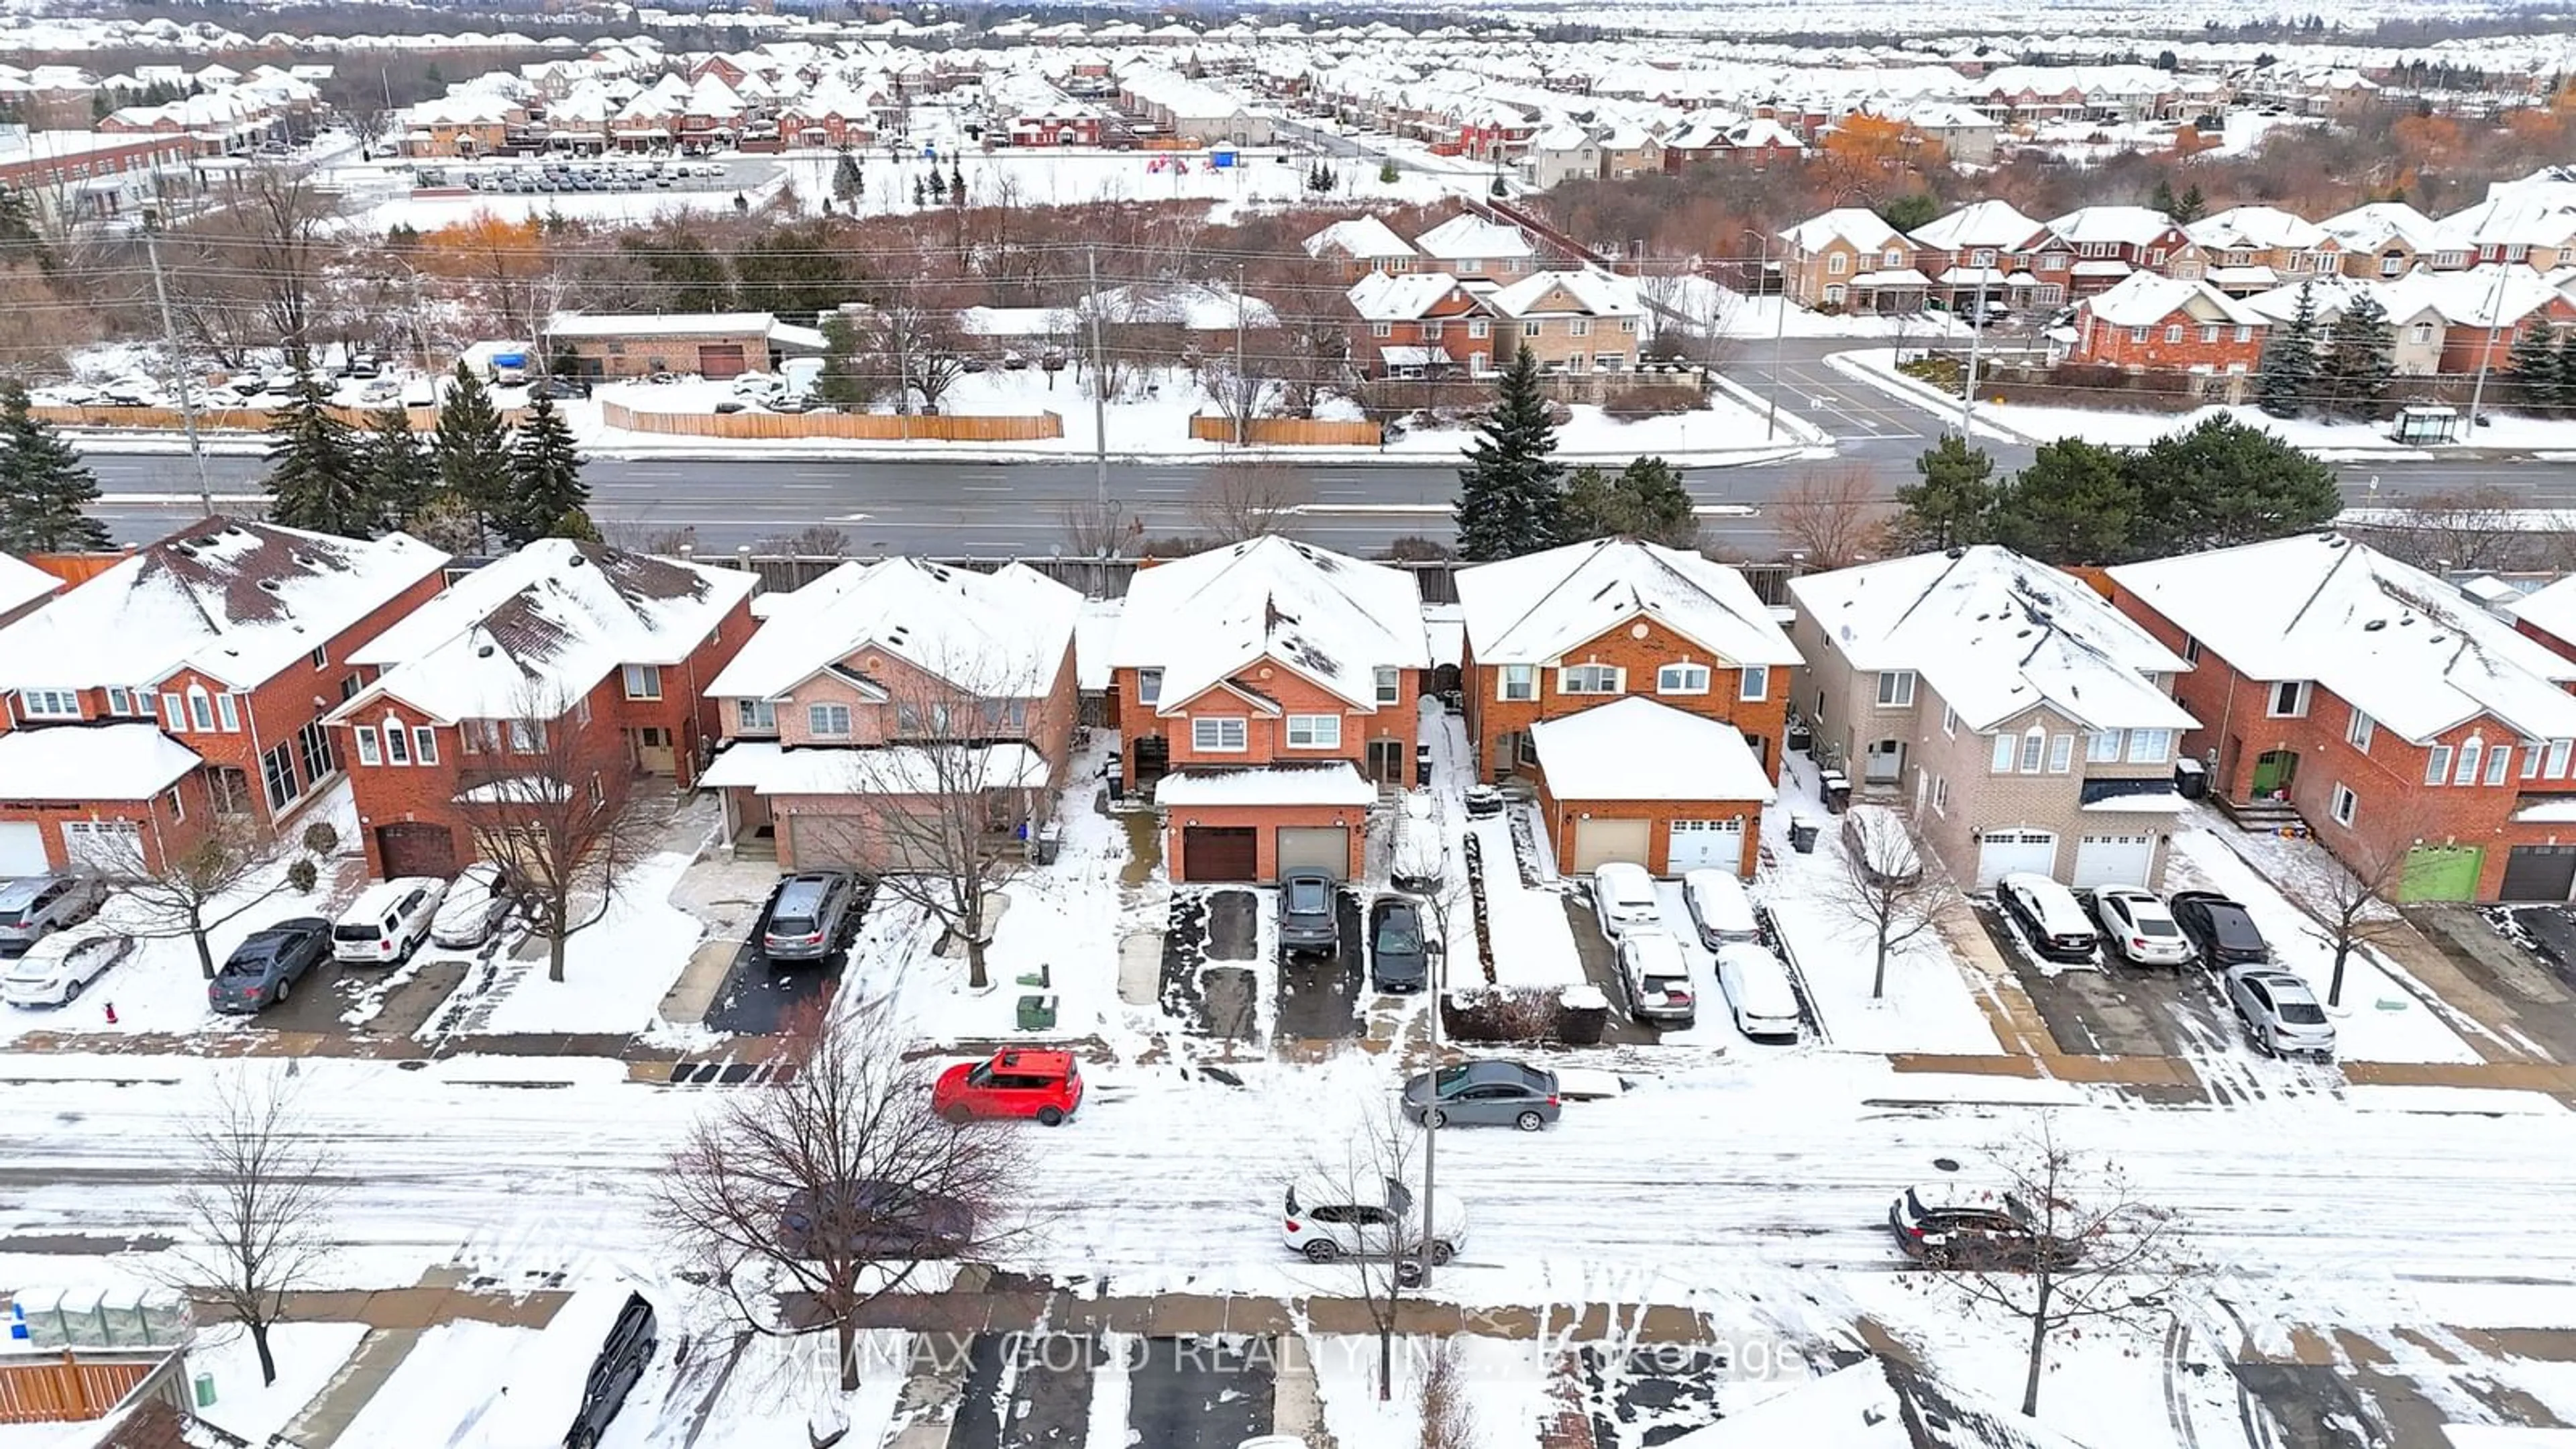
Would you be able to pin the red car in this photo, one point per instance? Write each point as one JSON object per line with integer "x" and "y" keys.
{"x": 1044, "y": 1085}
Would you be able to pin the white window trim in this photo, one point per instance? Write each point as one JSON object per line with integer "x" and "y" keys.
{"x": 1213, "y": 728}
{"x": 2272, "y": 699}
{"x": 2007, "y": 749}
{"x": 2150, "y": 747}
{"x": 647, "y": 673}
{"x": 756, "y": 714}
{"x": 1896, "y": 689}
{"x": 1524, "y": 675}
{"x": 2034, "y": 748}
{"x": 2437, "y": 765}
{"x": 818, "y": 712}
{"x": 2359, "y": 731}
{"x": 228, "y": 713}
{"x": 2345, "y": 804}
{"x": 201, "y": 710}
{"x": 1316, "y": 728}
{"x": 1149, "y": 686}
{"x": 2499, "y": 764}
{"x": 2558, "y": 758}
{"x": 1754, "y": 684}
{"x": 424, "y": 745}
{"x": 1389, "y": 684}
{"x": 1618, "y": 680}
{"x": 2470, "y": 761}
{"x": 2102, "y": 747}
{"x": 27, "y": 703}
{"x": 2061, "y": 754}
{"x": 1685, "y": 669}
{"x": 397, "y": 742}
{"x": 370, "y": 751}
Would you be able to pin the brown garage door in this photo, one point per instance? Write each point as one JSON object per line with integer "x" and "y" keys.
{"x": 1220, "y": 852}
{"x": 720, "y": 361}
{"x": 416, "y": 849}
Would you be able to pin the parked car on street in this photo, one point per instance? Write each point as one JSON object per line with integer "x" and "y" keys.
{"x": 2220, "y": 931}
{"x": 2049, "y": 918}
{"x": 61, "y": 967}
{"x": 388, "y": 921}
{"x": 1758, "y": 992}
{"x": 1039, "y": 1085}
{"x": 870, "y": 1218}
{"x": 1309, "y": 924}
{"x": 1719, "y": 909}
{"x": 809, "y": 916}
{"x": 477, "y": 902}
{"x": 1483, "y": 1092}
{"x": 2137, "y": 927}
{"x": 2282, "y": 1016}
{"x": 1623, "y": 899}
{"x": 1399, "y": 951}
{"x": 264, "y": 968}
{"x": 1371, "y": 1217}
{"x": 1954, "y": 1224}
{"x": 1657, "y": 978}
{"x": 33, "y": 906}
{"x": 623, "y": 1357}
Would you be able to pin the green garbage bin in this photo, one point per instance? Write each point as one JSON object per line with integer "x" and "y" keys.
{"x": 1037, "y": 1013}
{"x": 205, "y": 1391}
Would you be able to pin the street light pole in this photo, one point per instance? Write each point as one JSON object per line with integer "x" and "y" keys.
{"x": 1779, "y": 328}
{"x": 178, "y": 368}
{"x": 2486, "y": 355}
{"x": 1099, "y": 403}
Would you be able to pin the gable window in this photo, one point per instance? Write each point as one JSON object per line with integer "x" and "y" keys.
{"x": 201, "y": 709}
{"x": 1753, "y": 683}
{"x": 1222, "y": 734}
{"x": 1589, "y": 679}
{"x": 2245, "y": 332}
{"x": 2150, "y": 747}
{"x": 2061, "y": 754}
{"x": 2532, "y": 750}
{"x": 2102, "y": 747}
{"x": 2209, "y": 332}
{"x": 397, "y": 743}
{"x": 828, "y": 721}
{"x": 1983, "y": 257}
{"x": 228, "y": 710}
{"x": 1390, "y": 685}
{"x": 1896, "y": 688}
{"x": 120, "y": 701}
{"x": 1381, "y": 329}
{"x": 2437, "y": 765}
{"x": 369, "y": 751}
{"x": 1476, "y": 326}
{"x": 643, "y": 681}
{"x": 322, "y": 657}
{"x": 1682, "y": 679}
{"x": 2005, "y": 748}
{"x": 51, "y": 703}
{"x": 2289, "y": 699}
{"x": 1518, "y": 682}
{"x": 2471, "y": 756}
{"x": 1149, "y": 686}
{"x": 2420, "y": 333}
{"x": 2033, "y": 745}
{"x": 2190, "y": 649}
{"x": 756, "y": 714}
{"x": 2358, "y": 732}
{"x": 2137, "y": 334}
{"x": 1314, "y": 731}
{"x": 1837, "y": 263}
{"x": 2173, "y": 332}
{"x": 2345, "y": 804}
{"x": 1529, "y": 329}
{"x": 1579, "y": 327}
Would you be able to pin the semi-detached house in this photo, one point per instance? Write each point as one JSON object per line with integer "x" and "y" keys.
{"x": 189, "y": 681}
{"x": 2025, "y": 721}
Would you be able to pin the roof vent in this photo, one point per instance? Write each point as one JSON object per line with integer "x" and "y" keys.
{"x": 2374, "y": 626}
{"x": 268, "y": 586}
{"x": 577, "y": 559}
{"x": 1956, "y": 553}
{"x": 482, "y": 651}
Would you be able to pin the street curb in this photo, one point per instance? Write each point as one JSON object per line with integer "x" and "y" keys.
{"x": 1915, "y": 393}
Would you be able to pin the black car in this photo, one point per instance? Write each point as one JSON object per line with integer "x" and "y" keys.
{"x": 2219, "y": 929}
{"x": 1309, "y": 924}
{"x": 1949, "y": 1224}
{"x": 266, "y": 966}
{"x": 1399, "y": 954}
{"x": 622, "y": 1360}
{"x": 871, "y": 1220}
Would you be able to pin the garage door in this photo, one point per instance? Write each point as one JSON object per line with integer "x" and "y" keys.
{"x": 2002, "y": 852}
{"x": 416, "y": 849}
{"x": 109, "y": 846}
{"x": 1220, "y": 852}
{"x": 1596, "y": 841}
{"x": 720, "y": 361}
{"x": 2102, "y": 860}
{"x": 2539, "y": 873}
{"x": 1707, "y": 845}
{"x": 1315, "y": 847}
{"x": 22, "y": 848}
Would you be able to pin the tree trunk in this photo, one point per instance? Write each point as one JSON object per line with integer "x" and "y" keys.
{"x": 971, "y": 921}
{"x": 267, "y": 1360}
{"x": 1878, "y": 982}
{"x": 2334, "y": 991}
{"x": 1386, "y": 1356}
{"x": 555, "y": 955}
{"x": 205, "y": 953}
{"x": 2038, "y": 1347}
{"x": 846, "y": 1334}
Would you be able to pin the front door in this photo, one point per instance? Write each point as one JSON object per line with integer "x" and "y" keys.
{"x": 653, "y": 754}
{"x": 1386, "y": 761}
{"x": 1885, "y": 762}
{"x": 2273, "y": 771}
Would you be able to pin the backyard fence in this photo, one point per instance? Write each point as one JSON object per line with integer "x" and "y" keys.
{"x": 223, "y": 420}
{"x": 943, "y": 427}
{"x": 1288, "y": 432}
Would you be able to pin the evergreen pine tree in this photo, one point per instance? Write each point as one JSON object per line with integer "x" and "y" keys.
{"x": 2357, "y": 367}
{"x": 2162, "y": 198}
{"x": 956, "y": 185}
{"x": 2191, "y": 206}
{"x": 314, "y": 479}
{"x": 43, "y": 486}
{"x": 1955, "y": 502}
{"x": 2533, "y": 369}
{"x": 2566, "y": 373}
{"x": 1511, "y": 498}
{"x": 472, "y": 451}
{"x": 397, "y": 471}
{"x": 545, "y": 473}
{"x": 847, "y": 183}
{"x": 2285, "y": 384}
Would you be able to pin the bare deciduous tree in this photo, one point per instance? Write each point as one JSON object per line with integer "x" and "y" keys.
{"x": 1378, "y": 1168}
{"x": 204, "y": 877}
{"x": 911, "y": 348}
{"x": 1835, "y": 517}
{"x": 2103, "y": 1254}
{"x": 1448, "y": 1418}
{"x": 2471, "y": 528}
{"x": 1238, "y": 501}
{"x": 833, "y": 1183}
{"x": 1690, "y": 316}
{"x": 256, "y": 1202}
{"x": 1890, "y": 882}
{"x": 250, "y": 265}
{"x": 2352, "y": 899}
{"x": 1241, "y": 394}
{"x": 552, "y": 793}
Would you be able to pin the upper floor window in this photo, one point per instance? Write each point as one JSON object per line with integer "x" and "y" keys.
{"x": 643, "y": 681}
{"x": 2499, "y": 764}
{"x": 1381, "y": 329}
{"x": 1893, "y": 259}
{"x": 2149, "y": 747}
{"x": 1529, "y": 329}
{"x": 1223, "y": 733}
{"x": 49, "y": 703}
{"x": 397, "y": 742}
{"x": 2472, "y": 755}
{"x": 828, "y": 721}
{"x": 228, "y": 712}
{"x": 322, "y": 657}
{"x": 1149, "y": 686}
{"x": 1982, "y": 257}
{"x": 2289, "y": 699}
{"x": 1896, "y": 688}
{"x": 121, "y": 701}
{"x": 2209, "y": 332}
{"x": 1837, "y": 263}
{"x": 2061, "y": 754}
{"x": 1682, "y": 679}
{"x": 2102, "y": 747}
{"x": 1314, "y": 731}
{"x": 2437, "y": 765}
{"x": 2033, "y": 743}
{"x": 1476, "y": 326}
{"x": 1590, "y": 679}
{"x": 2358, "y": 731}
{"x": 1753, "y": 684}
{"x": 1579, "y": 327}
{"x": 2173, "y": 332}
{"x": 370, "y": 752}
{"x": 1390, "y": 685}
{"x": 1517, "y": 681}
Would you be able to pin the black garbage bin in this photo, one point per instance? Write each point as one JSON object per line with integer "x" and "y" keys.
{"x": 1583, "y": 1014}
{"x": 1802, "y": 836}
{"x": 1837, "y": 791}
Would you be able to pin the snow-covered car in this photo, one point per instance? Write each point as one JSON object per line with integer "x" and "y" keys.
{"x": 1657, "y": 977}
{"x": 757, "y": 384}
{"x": 61, "y": 968}
{"x": 1719, "y": 909}
{"x": 388, "y": 921}
{"x": 2136, "y": 926}
{"x": 1421, "y": 856}
{"x": 477, "y": 902}
{"x": 1758, "y": 992}
{"x": 2282, "y": 1016}
{"x": 1957, "y": 1224}
{"x": 1371, "y": 1217}
{"x": 1623, "y": 899}
{"x": 2048, "y": 916}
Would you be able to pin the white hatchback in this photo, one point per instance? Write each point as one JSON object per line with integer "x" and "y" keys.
{"x": 1369, "y": 1219}
{"x": 388, "y": 921}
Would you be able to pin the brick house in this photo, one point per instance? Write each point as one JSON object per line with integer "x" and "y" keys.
{"x": 1419, "y": 324}
{"x": 1471, "y": 248}
{"x": 2481, "y": 312}
{"x": 710, "y": 344}
{"x": 2253, "y": 249}
{"x": 2384, "y": 240}
{"x": 1849, "y": 258}
{"x": 2112, "y": 243}
{"x": 189, "y": 679}
{"x": 891, "y": 686}
{"x": 560, "y": 642}
{"x": 2420, "y": 737}
{"x": 1268, "y": 691}
{"x": 1571, "y": 320}
{"x": 2149, "y": 323}
{"x": 1361, "y": 245}
{"x": 2025, "y": 720}
{"x": 1558, "y": 636}
{"x": 1989, "y": 250}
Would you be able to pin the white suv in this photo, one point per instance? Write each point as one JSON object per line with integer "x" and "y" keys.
{"x": 388, "y": 921}
{"x": 1623, "y": 898}
{"x": 1329, "y": 1221}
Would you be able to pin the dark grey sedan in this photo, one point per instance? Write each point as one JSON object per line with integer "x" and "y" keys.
{"x": 1487, "y": 1092}
{"x": 1399, "y": 956}
{"x": 264, "y": 968}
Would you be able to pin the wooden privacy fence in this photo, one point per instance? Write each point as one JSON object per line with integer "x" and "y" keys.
{"x": 66, "y": 1389}
{"x": 218, "y": 420}
{"x": 1288, "y": 432}
{"x": 941, "y": 427}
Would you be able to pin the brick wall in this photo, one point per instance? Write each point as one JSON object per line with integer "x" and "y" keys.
{"x": 1266, "y": 821}
{"x": 2177, "y": 343}
{"x": 1265, "y": 734}
{"x": 1490, "y": 717}
{"x": 1564, "y": 817}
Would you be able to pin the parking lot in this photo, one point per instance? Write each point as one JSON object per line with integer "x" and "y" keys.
{"x": 566, "y": 177}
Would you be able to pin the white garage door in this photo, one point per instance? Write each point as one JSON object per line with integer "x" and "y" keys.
{"x": 2004, "y": 851}
{"x": 1598, "y": 840}
{"x": 102, "y": 845}
{"x": 2102, "y": 860}
{"x": 1315, "y": 847}
{"x": 22, "y": 848}
{"x": 1707, "y": 845}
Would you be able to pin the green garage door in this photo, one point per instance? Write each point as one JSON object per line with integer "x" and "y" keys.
{"x": 2441, "y": 873}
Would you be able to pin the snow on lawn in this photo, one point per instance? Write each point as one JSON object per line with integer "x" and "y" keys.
{"x": 307, "y": 1355}
{"x": 1533, "y": 942}
{"x": 442, "y": 1387}
{"x": 2383, "y": 1017}
{"x": 1503, "y": 1382}
{"x": 773, "y": 1387}
{"x": 1739, "y": 316}
{"x": 616, "y": 972}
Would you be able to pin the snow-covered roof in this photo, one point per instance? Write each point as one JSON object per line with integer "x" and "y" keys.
{"x": 91, "y": 762}
{"x": 1594, "y": 294}
{"x": 1473, "y": 236}
{"x": 2376, "y": 224}
{"x": 1399, "y": 296}
{"x": 1997, "y": 224}
{"x": 568, "y": 325}
{"x": 1635, "y": 748}
{"x": 2129, "y": 225}
{"x": 22, "y": 583}
{"x": 1360, "y": 236}
{"x": 1329, "y": 617}
{"x": 1859, "y": 226}
{"x": 2551, "y": 609}
{"x": 1324, "y": 782}
{"x": 541, "y": 627}
{"x": 1534, "y": 608}
{"x": 766, "y": 767}
{"x": 1994, "y": 633}
{"x": 1095, "y": 633}
{"x": 2489, "y": 296}
{"x": 2393, "y": 641}
{"x": 2143, "y": 299}
{"x": 235, "y": 600}
{"x": 1876, "y": 1403}
{"x": 1002, "y": 634}
{"x": 2327, "y": 295}
{"x": 2256, "y": 228}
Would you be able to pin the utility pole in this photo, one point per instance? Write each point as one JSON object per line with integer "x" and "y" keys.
{"x": 2486, "y": 355}
{"x": 178, "y": 367}
{"x": 903, "y": 370}
{"x": 1242, "y": 384}
{"x": 1968, "y": 389}
{"x": 1431, "y": 1134}
{"x": 1099, "y": 400}
{"x": 1779, "y": 330}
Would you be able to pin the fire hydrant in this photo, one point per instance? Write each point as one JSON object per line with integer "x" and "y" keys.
{"x": 111, "y": 1013}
